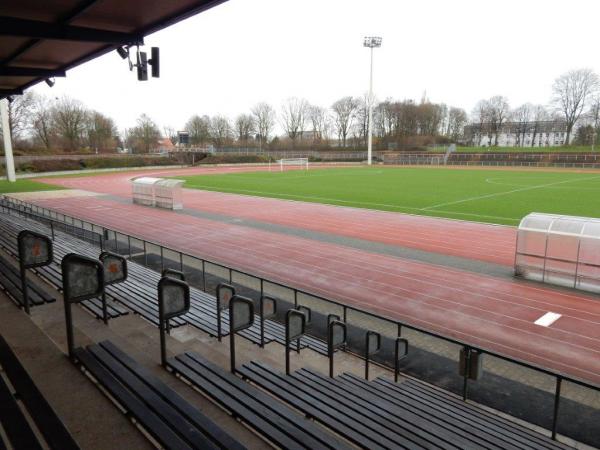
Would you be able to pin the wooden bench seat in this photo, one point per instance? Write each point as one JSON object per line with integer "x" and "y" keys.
{"x": 16, "y": 427}
{"x": 164, "y": 414}
{"x": 267, "y": 416}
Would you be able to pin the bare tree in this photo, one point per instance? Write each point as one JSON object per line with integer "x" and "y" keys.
{"x": 220, "y": 131}
{"x": 344, "y": 112}
{"x": 244, "y": 125}
{"x": 199, "y": 129}
{"x": 481, "y": 118}
{"x": 318, "y": 119}
{"x": 69, "y": 117}
{"x": 170, "y": 133}
{"x": 20, "y": 110}
{"x": 144, "y": 136}
{"x": 41, "y": 121}
{"x": 293, "y": 117}
{"x": 594, "y": 116}
{"x": 571, "y": 91}
{"x": 457, "y": 119}
{"x": 499, "y": 110}
{"x": 540, "y": 114}
{"x": 362, "y": 117}
{"x": 264, "y": 119}
{"x": 522, "y": 118}
{"x": 101, "y": 132}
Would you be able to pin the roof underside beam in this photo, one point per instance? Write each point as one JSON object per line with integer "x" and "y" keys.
{"x": 8, "y": 92}
{"x": 11, "y": 26}
{"x": 30, "y": 72}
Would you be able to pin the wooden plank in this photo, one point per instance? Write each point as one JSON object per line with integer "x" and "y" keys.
{"x": 174, "y": 400}
{"x": 308, "y": 427}
{"x": 15, "y": 425}
{"x": 260, "y": 418}
{"x": 125, "y": 375}
{"x": 46, "y": 420}
{"x": 352, "y": 430}
{"x": 136, "y": 408}
{"x": 375, "y": 413}
{"x": 445, "y": 400}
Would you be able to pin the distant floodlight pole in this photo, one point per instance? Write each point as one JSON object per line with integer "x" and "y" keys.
{"x": 371, "y": 42}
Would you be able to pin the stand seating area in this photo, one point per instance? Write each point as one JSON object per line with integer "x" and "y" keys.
{"x": 303, "y": 410}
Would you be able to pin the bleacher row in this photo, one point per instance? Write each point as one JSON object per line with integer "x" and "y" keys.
{"x": 138, "y": 292}
{"x": 303, "y": 410}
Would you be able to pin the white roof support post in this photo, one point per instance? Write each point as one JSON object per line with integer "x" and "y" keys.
{"x": 8, "y": 152}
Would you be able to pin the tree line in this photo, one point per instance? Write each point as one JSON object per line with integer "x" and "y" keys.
{"x": 66, "y": 124}
{"x": 575, "y": 103}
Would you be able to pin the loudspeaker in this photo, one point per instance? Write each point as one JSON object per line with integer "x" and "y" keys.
{"x": 155, "y": 62}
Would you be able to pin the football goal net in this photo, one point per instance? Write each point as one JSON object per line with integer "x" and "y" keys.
{"x": 293, "y": 163}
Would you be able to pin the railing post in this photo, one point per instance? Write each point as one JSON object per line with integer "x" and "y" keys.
{"x": 467, "y": 351}
{"x": 203, "y": 276}
{"x": 162, "y": 261}
{"x": 145, "y": 255}
{"x": 556, "y": 406}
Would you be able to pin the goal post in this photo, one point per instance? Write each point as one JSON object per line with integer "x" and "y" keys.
{"x": 301, "y": 163}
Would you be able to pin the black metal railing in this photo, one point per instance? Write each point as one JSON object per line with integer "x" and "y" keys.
{"x": 209, "y": 273}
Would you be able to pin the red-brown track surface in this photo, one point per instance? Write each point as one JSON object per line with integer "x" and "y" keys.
{"x": 484, "y": 242}
{"x": 494, "y": 313}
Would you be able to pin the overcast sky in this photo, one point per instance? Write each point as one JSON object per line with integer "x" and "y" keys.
{"x": 225, "y": 60}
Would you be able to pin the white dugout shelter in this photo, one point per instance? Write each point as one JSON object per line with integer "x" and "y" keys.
{"x": 561, "y": 250}
{"x": 159, "y": 192}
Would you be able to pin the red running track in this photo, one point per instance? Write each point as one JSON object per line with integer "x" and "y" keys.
{"x": 484, "y": 242}
{"x": 493, "y": 313}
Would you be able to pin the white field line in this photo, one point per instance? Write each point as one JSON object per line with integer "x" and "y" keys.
{"x": 500, "y": 183}
{"x": 513, "y": 191}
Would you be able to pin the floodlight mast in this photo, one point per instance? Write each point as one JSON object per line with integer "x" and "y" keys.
{"x": 371, "y": 42}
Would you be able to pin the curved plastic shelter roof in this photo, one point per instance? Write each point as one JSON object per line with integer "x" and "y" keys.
{"x": 43, "y": 39}
{"x": 169, "y": 183}
{"x": 145, "y": 181}
{"x": 563, "y": 250}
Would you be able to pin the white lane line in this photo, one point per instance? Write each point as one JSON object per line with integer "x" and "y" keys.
{"x": 548, "y": 319}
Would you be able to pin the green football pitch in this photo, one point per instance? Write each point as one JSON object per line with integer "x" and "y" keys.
{"x": 495, "y": 196}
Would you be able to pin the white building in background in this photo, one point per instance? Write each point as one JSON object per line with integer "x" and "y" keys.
{"x": 550, "y": 133}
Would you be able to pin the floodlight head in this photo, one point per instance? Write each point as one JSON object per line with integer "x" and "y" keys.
{"x": 372, "y": 41}
{"x": 50, "y": 82}
{"x": 123, "y": 52}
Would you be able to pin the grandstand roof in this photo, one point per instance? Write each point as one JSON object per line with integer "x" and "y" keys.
{"x": 39, "y": 40}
